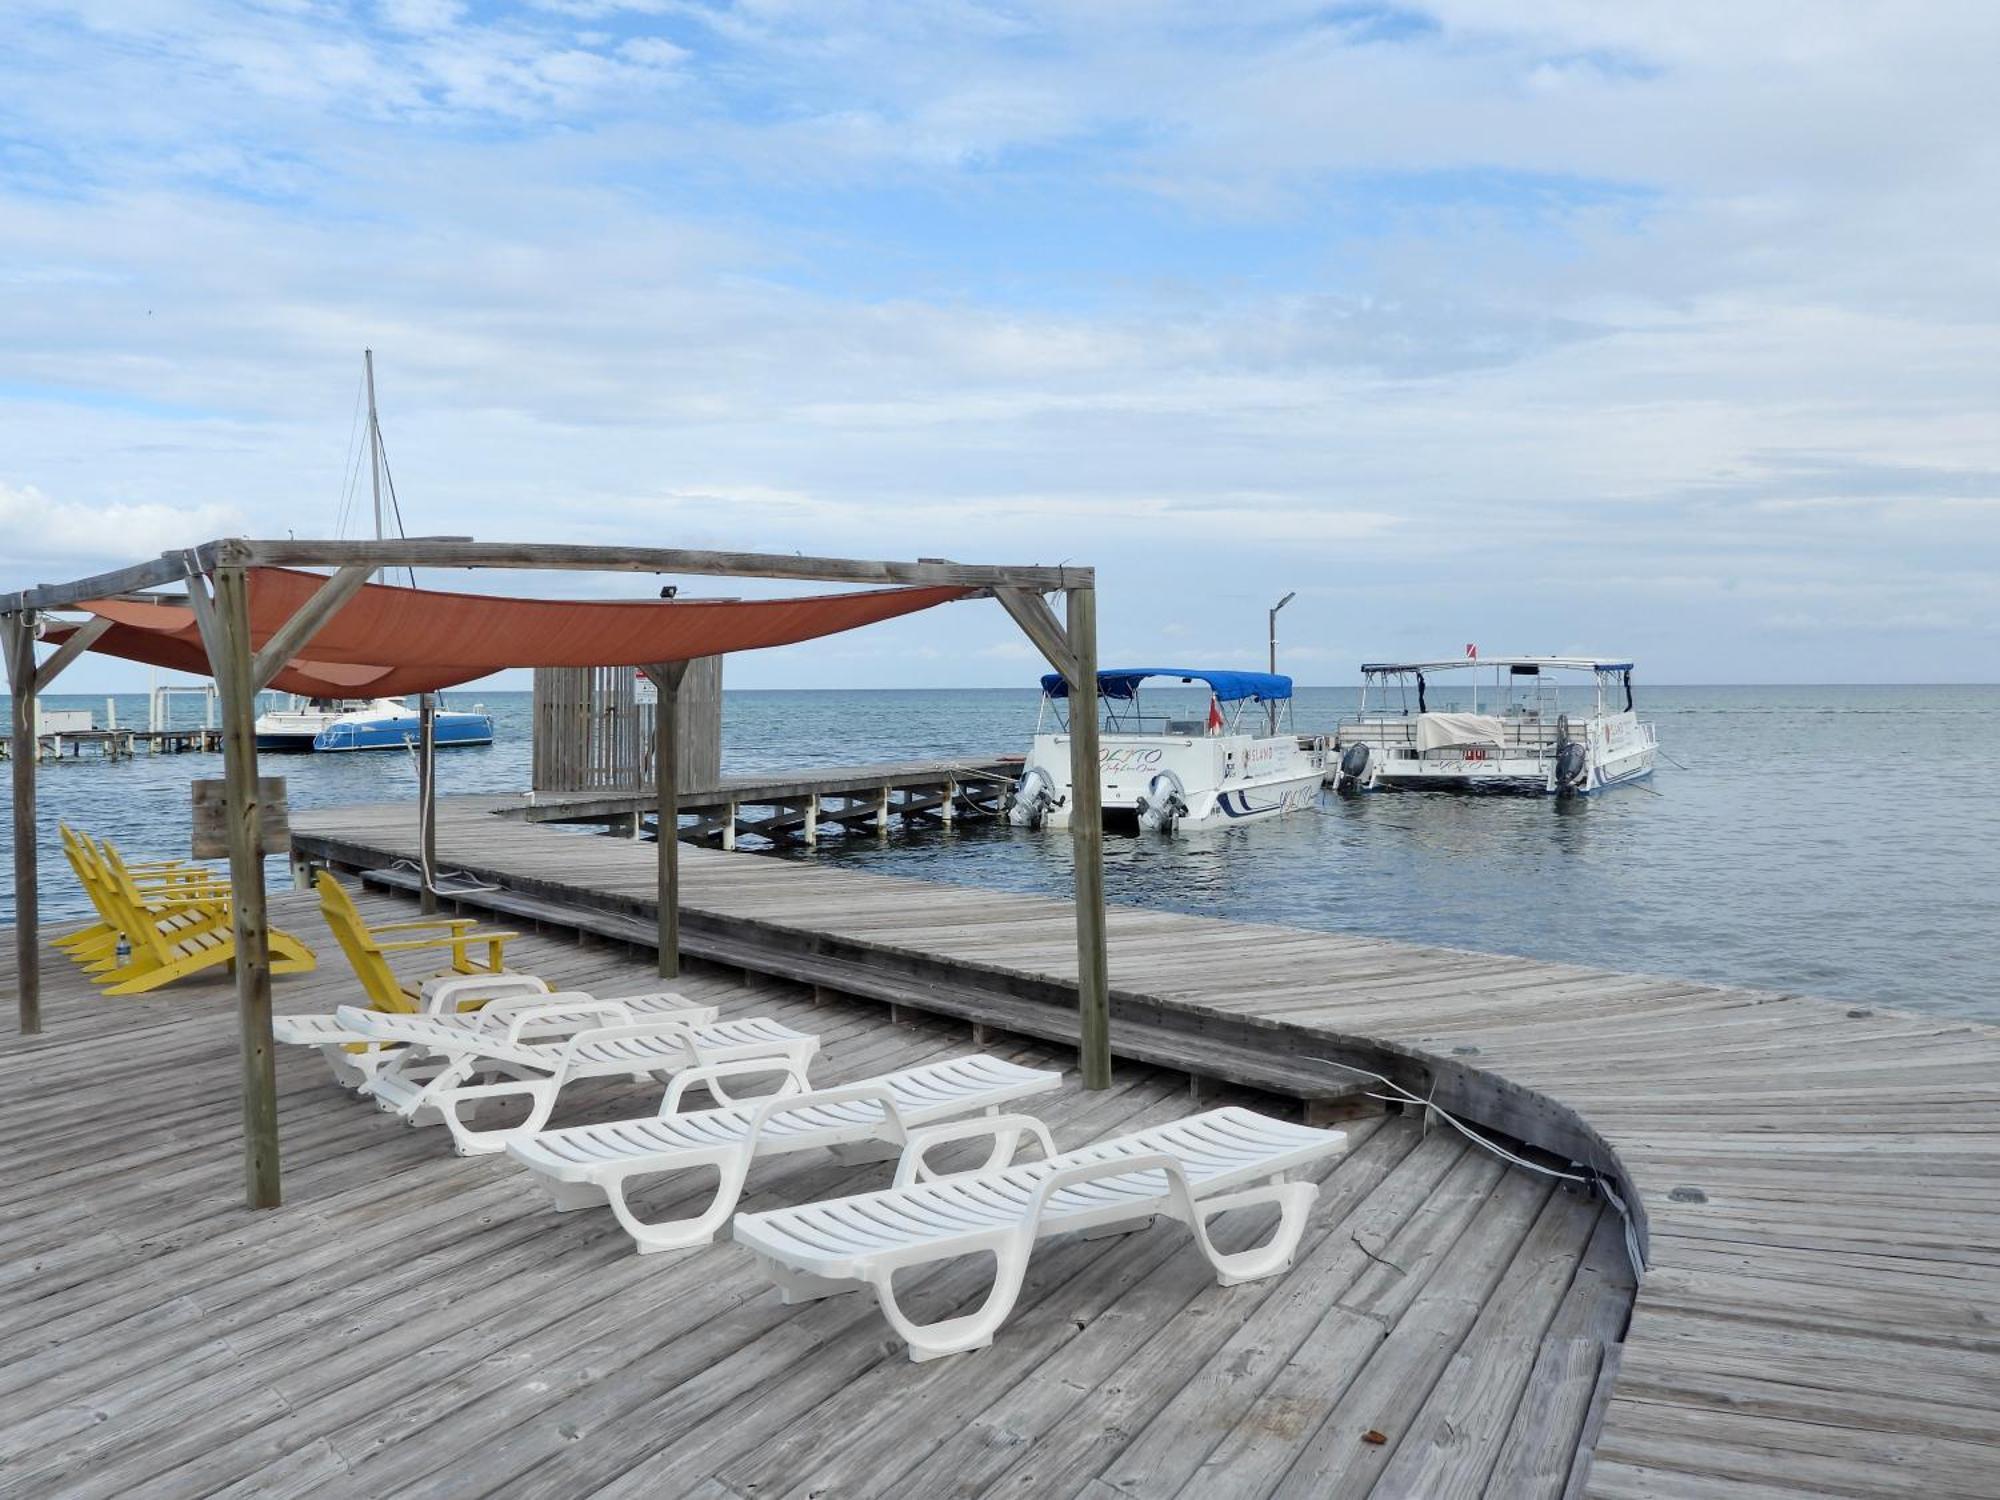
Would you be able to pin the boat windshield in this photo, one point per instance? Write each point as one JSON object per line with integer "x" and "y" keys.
{"x": 1177, "y": 710}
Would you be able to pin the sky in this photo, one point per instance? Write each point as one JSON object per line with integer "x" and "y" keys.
{"x": 1669, "y": 330}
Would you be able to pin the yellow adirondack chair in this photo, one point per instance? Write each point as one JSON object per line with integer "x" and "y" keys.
{"x": 95, "y": 948}
{"x": 100, "y": 938}
{"x": 368, "y": 953}
{"x": 175, "y": 928}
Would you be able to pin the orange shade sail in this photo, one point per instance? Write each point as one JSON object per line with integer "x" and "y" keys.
{"x": 388, "y": 641}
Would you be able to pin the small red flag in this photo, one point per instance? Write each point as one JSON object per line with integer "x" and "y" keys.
{"x": 1214, "y": 714}
{"x": 1471, "y": 651}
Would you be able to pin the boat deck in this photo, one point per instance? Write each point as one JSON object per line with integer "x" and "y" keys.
{"x": 413, "y": 1323}
{"x": 1817, "y": 1184}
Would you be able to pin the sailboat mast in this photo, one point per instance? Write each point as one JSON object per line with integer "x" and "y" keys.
{"x": 374, "y": 442}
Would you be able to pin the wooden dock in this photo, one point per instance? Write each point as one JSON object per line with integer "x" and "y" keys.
{"x": 413, "y": 1323}
{"x": 794, "y": 805}
{"x": 120, "y": 744}
{"x": 1816, "y": 1184}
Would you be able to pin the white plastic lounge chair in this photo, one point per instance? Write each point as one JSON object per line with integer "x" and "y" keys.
{"x": 433, "y": 1079}
{"x": 1191, "y": 1169}
{"x": 591, "y": 1164}
{"x": 355, "y": 1058}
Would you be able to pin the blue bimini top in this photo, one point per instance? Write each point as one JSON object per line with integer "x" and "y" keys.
{"x": 1228, "y": 687}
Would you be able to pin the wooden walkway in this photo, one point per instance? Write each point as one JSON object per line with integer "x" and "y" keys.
{"x": 777, "y": 805}
{"x": 413, "y": 1323}
{"x": 1817, "y": 1185}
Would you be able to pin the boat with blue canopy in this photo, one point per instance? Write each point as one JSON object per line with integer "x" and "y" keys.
{"x": 1208, "y": 747}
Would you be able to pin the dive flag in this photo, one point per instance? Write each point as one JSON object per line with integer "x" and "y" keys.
{"x": 1214, "y": 715}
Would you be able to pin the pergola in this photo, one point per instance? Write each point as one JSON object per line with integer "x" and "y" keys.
{"x": 252, "y": 627}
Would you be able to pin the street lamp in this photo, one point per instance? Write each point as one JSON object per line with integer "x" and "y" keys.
{"x": 1271, "y": 709}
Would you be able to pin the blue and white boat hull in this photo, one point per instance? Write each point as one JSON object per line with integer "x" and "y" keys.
{"x": 394, "y": 732}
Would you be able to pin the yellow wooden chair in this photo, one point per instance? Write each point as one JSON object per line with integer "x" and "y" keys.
{"x": 95, "y": 947}
{"x": 82, "y": 860}
{"x": 368, "y": 953}
{"x": 178, "y": 929}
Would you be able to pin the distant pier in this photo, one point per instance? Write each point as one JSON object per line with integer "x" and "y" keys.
{"x": 120, "y": 744}
{"x": 785, "y": 806}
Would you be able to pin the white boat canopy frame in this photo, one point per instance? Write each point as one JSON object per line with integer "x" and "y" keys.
{"x": 214, "y": 578}
{"x": 1605, "y": 670}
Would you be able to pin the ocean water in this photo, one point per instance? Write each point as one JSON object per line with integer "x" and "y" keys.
{"x": 1842, "y": 841}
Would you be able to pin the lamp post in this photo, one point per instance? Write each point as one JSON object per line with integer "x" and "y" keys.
{"x": 1271, "y": 709}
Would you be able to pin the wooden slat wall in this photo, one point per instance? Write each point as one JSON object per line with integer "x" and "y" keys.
{"x": 592, "y": 733}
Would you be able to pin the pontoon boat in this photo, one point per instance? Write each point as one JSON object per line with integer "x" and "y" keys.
{"x": 1163, "y": 773}
{"x": 1537, "y": 731}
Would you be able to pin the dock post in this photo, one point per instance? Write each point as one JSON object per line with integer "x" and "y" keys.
{"x": 230, "y": 661}
{"x": 20, "y": 645}
{"x": 947, "y": 809}
{"x": 1086, "y": 832}
{"x": 666, "y": 678}
{"x": 812, "y": 818}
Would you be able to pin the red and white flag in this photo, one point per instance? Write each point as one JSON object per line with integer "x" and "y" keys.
{"x": 1214, "y": 714}
{"x": 1471, "y": 652}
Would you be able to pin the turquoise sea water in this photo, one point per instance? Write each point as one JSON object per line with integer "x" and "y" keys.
{"x": 1838, "y": 840}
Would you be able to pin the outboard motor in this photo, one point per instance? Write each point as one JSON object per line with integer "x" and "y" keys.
{"x": 1033, "y": 795}
{"x": 1572, "y": 761}
{"x": 1163, "y": 804}
{"x": 1353, "y": 773}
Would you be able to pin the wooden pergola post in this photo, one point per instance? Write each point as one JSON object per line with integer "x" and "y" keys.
{"x": 17, "y": 634}
{"x": 1086, "y": 833}
{"x": 1071, "y": 648}
{"x": 666, "y": 678}
{"x": 225, "y": 625}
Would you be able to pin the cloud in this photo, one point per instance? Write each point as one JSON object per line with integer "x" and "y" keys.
{"x": 1453, "y": 313}
{"x": 44, "y": 531}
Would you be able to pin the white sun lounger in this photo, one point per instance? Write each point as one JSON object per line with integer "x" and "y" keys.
{"x": 433, "y": 1077}
{"x": 1191, "y": 1169}
{"x": 354, "y": 1058}
{"x": 591, "y": 1164}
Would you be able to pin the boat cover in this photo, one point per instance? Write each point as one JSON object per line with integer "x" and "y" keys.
{"x": 1435, "y": 731}
{"x": 1228, "y": 687}
{"x": 388, "y": 641}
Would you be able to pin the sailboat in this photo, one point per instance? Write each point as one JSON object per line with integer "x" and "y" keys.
{"x": 327, "y": 724}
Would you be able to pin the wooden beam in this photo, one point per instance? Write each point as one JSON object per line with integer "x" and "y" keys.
{"x": 1032, "y": 613}
{"x": 17, "y": 636}
{"x": 666, "y": 679}
{"x": 420, "y": 553}
{"x": 230, "y": 664}
{"x": 292, "y": 636}
{"x": 203, "y": 605}
{"x": 170, "y": 567}
{"x": 87, "y": 635}
{"x": 1086, "y": 833}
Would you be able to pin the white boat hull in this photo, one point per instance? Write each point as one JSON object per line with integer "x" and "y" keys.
{"x": 1173, "y": 784}
{"x": 1616, "y": 748}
